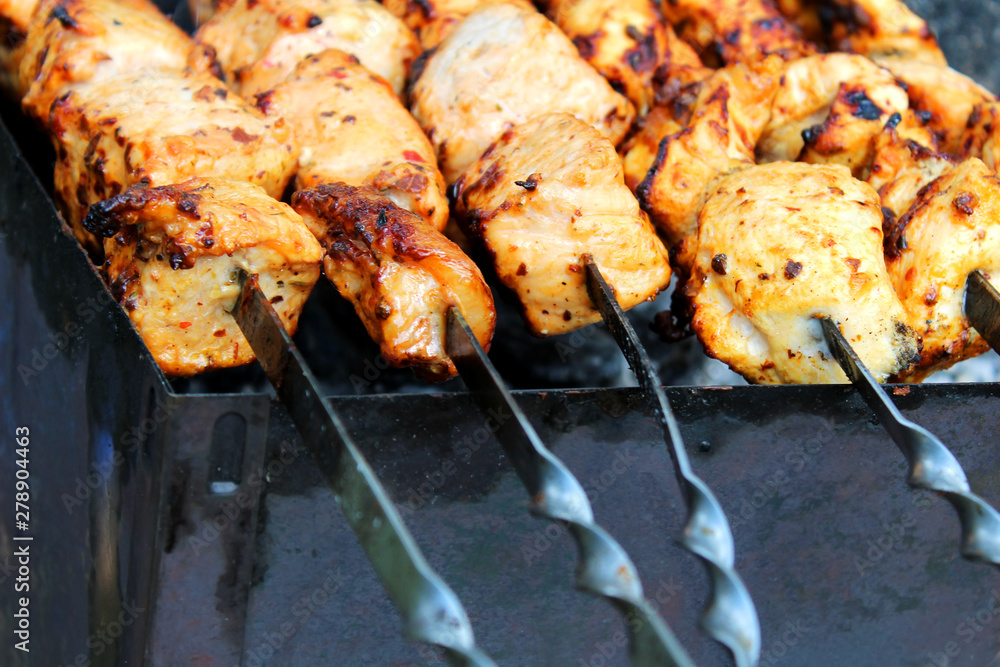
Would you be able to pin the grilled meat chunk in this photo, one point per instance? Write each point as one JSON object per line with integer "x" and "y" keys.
{"x": 827, "y": 109}
{"x": 779, "y": 245}
{"x": 173, "y": 256}
{"x": 731, "y": 110}
{"x": 352, "y": 128}
{"x": 277, "y": 34}
{"x": 432, "y": 20}
{"x": 203, "y": 11}
{"x": 15, "y": 16}
{"x": 547, "y": 192}
{"x": 85, "y": 41}
{"x": 625, "y": 40}
{"x": 504, "y": 64}
{"x": 878, "y": 28}
{"x": 400, "y": 274}
{"x": 158, "y": 128}
{"x": 951, "y": 229}
{"x": 736, "y": 30}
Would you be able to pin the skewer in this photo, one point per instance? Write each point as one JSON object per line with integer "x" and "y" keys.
{"x": 731, "y": 617}
{"x": 604, "y": 568}
{"x": 932, "y": 465}
{"x": 430, "y": 609}
{"x": 982, "y": 307}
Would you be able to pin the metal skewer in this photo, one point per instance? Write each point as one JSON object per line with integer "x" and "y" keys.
{"x": 982, "y": 307}
{"x": 430, "y": 609}
{"x": 604, "y": 568}
{"x": 731, "y": 617}
{"x": 932, "y": 466}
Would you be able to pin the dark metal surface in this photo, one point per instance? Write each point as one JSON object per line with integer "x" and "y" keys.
{"x": 431, "y": 612}
{"x": 604, "y": 568}
{"x": 730, "y": 616}
{"x": 932, "y": 465}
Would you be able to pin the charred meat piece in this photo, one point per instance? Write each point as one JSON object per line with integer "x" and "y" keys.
{"x": 432, "y": 20}
{"x": 173, "y": 259}
{"x": 85, "y": 41}
{"x": 625, "y": 40}
{"x": 828, "y": 108}
{"x": 401, "y": 275}
{"x": 276, "y": 34}
{"x": 546, "y": 193}
{"x": 353, "y": 128}
{"x": 15, "y": 16}
{"x": 878, "y": 28}
{"x": 780, "y": 245}
{"x": 158, "y": 128}
{"x": 504, "y": 64}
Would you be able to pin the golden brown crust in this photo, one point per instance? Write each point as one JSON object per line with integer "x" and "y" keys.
{"x": 505, "y": 64}
{"x": 277, "y": 34}
{"x": 543, "y": 195}
{"x": 353, "y": 128}
{"x": 173, "y": 255}
{"x": 400, "y": 274}
{"x": 625, "y": 40}
{"x": 159, "y": 128}
{"x": 432, "y": 20}
{"x": 77, "y": 41}
{"x": 735, "y": 31}
{"x": 15, "y": 16}
{"x": 879, "y": 28}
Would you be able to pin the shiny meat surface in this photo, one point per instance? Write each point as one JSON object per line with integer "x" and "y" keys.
{"x": 951, "y": 229}
{"x": 504, "y": 64}
{"x": 732, "y": 108}
{"x": 400, "y": 274}
{"x": 160, "y": 128}
{"x": 780, "y": 245}
{"x": 353, "y": 128}
{"x": 546, "y": 193}
{"x": 827, "y": 110}
{"x": 736, "y": 30}
{"x": 625, "y": 40}
{"x": 277, "y": 34}
{"x": 15, "y": 15}
{"x": 173, "y": 256}
{"x": 882, "y": 28}
{"x": 85, "y": 41}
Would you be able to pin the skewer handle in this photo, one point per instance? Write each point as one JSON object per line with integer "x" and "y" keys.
{"x": 731, "y": 618}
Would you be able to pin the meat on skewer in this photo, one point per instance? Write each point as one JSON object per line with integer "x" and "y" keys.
{"x": 173, "y": 259}
{"x": 400, "y": 274}
{"x": 432, "y": 20}
{"x": 354, "y": 129}
{"x": 547, "y": 192}
{"x": 15, "y": 17}
{"x": 504, "y": 64}
{"x": 278, "y": 34}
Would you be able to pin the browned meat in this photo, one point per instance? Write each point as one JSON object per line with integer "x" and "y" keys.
{"x": 547, "y": 192}
{"x": 432, "y": 20}
{"x": 173, "y": 256}
{"x": 401, "y": 275}
{"x": 15, "y": 16}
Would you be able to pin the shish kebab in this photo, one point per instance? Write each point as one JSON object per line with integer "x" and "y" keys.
{"x": 357, "y": 225}
{"x": 814, "y": 234}
{"x": 529, "y": 151}
{"x": 179, "y": 250}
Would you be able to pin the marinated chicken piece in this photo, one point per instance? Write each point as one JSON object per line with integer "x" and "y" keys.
{"x": 679, "y": 75}
{"x": 639, "y": 151}
{"x": 732, "y": 108}
{"x": 736, "y": 30}
{"x": 951, "y": 230}
{"x": 546, "y": 193}
{"x": 159, "y": 128}
{"x": 432, "y": 20}
{"x": 878, "y": 28}
{"x": 352, "y": 128}
{"x": 400, "y": 274}
{"x": 504, "y": 64}
{"x": 85, "y": 41}
{"x": 625, "y": 40}
{"x": 15, "y": 16}
{"x": 828, "y": 108}
{"x": 954, "y": 105}
{"x": 779, "y": 246}
{"x": 173, "y": 257}
{"x": 277, "y": 34}
{"x": 806, "y": 15}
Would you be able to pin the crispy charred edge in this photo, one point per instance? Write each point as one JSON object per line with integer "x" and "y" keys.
{"x": 63, "y": 12}
{"x": 105, "y": 218}
{"x": 893, "y": 225}
{"x": 417, "y": 70}
{"x": 677, "y": 323}
{"x": 861, "y": 107}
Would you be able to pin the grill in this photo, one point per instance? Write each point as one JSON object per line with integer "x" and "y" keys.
{"x": 185, "y": 522}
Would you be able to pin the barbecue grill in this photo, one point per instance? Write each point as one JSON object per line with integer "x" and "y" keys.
{"x": 185, "y": 522}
